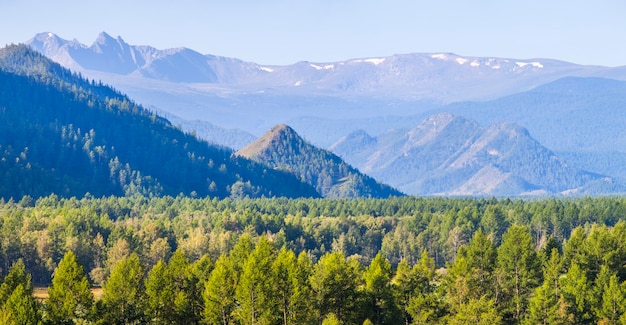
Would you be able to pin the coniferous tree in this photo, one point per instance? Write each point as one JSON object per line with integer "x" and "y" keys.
{"x": 256, "y": 291}
{"x": 219, "y": 293}
{"x": 284, "y": 272}
{"x": 613, "y": 302}
{"x": 160, "y": 294}
{"x": 547, "y": 305}
{"x": 519, "y": 272}
{"x": 405, "y": 286}
{"x": 20, "y": 308}
{"x": 70, "y": 299}
{"x": 334, "y": 282}
{"x": 185, "y": 290}
{"x": 302, "y": 299}
{"x": 472, "y": 274}
{"x": 575, "y": 291}
{"x": 124, "y": 292}
{"x": 379, "y": 293}
{"x": 17, "y": 276}
{"x": 17, "y": 305}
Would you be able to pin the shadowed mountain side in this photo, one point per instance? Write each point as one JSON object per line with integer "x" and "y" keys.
{"x": 282, "y": 148}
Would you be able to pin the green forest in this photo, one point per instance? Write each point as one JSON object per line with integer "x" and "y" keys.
{"x": 407, "y": 260}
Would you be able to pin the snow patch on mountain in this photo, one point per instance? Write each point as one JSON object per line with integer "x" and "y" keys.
{"x": 320, "y": 67}
{"x": 374, "y": 61}
{"x": 534, "y": 64}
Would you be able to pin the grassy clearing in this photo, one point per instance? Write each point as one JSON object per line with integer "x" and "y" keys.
{"x": 41, "y": 293}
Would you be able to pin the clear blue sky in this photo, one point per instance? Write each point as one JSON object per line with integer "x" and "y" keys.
{"x": 287, "y": 31}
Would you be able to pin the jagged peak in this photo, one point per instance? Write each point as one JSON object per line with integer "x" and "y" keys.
{"x": 103, "y": 38}
{"x": 46, "y": 40}
{"x": 46, "y": 36}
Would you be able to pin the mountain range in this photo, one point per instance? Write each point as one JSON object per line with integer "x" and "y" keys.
{"x": 573, "y": 111}
{"x": 451, "y": 155}
{"x": 233, "y": 94}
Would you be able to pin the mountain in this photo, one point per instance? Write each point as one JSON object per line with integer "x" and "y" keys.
{"x": 233, "y": 94}
{"x": 63, "y": 134}
{"x": 114, "y": 55}
{"x": 583, "y": 118}
{"x": 451, "y": 155}
{"x": 283, "y": 149}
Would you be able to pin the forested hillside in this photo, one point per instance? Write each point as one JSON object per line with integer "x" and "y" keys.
{"x": 60, "y": 133}
{"x": 282, "y": 148}
{"x": 307, "y": 261}
{"x": 451, "y": 155}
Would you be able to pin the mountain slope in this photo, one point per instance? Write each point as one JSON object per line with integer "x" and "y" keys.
{"x": 62, "y": 134}
{"x": 282, "y": 148}
{"x": 448, "y": 154}
{"x": 567, "y": 114}
{"x": 580, "y": 117}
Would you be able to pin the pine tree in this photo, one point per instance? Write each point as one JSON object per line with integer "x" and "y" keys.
{"x": 256, "y": 291}
{"x": 414, "y": 291}
{"x": 284, "y": 271}
{"x": 185, "y": 290}
{"x": 20, "y": 309}
{"x": 519, "y": 272}
{"x": 334, "y": 282}
{"x": 159, "y": 294}
{"x": 547, "y": 305}
{"x": 613, "y": 302}
{"x": 379, "y": 292}
{"x": 124, "y": 292}
{"x": 17, "y": 305}
{"x": 472, "y": 274}
{"x": 70, "y": 299}
{"x": 17, "y": 276}
{"x": 574, "y": 288}
{"x": 303, "y": 297}
{"x": 219, "y": 293}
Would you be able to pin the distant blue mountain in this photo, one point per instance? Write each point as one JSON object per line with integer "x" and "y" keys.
{"x": 451, "y": 155}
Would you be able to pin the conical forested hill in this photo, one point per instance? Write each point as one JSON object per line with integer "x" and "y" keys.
{"x": 62, "y": 134}
{"x": 282, "y": 148}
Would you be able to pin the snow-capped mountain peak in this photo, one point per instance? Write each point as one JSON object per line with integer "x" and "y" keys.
{"x": 440, "y": 77}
